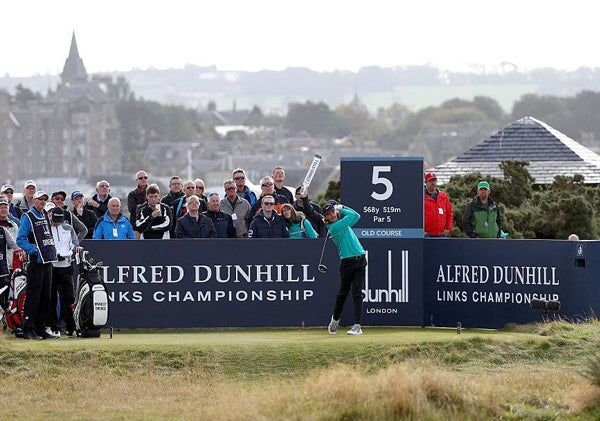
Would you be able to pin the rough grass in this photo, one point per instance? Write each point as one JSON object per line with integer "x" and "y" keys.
{"x": 531, "y": 373}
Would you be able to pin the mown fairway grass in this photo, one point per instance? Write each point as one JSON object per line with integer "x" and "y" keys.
{"x": 389, "y": 373}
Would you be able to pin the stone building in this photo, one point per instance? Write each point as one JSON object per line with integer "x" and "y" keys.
{"x": 71, "y": 132}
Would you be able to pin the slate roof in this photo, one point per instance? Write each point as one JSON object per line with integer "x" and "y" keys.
{"x": 548, "y": 151}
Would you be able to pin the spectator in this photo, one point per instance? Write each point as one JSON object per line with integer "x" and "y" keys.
{"x": 340, "y": 220}
{"x": 58, "y": 198}
{"x": 199, "y": 184}
{"x": 86, "y": 216}
{"x": 113, "y": 225}
{"x": 297, "y": 225}
{"x": 8, "y": 232}
{"x": 482, "y": 217}
{"x": 175, "y": 191}
{"x": 438, "y": 209}
{"x": 237, "y": 207}
{"x": 65, "y": 241}
{"x": 267, "y": 223}
{"x": 222, "y": 221}
{"x": 268, "y": 188}
{"x": 243, "y": 191}
{"x": 193, "y": 224}
{"x": 10, "y": 224}
{"x": 153, "y": 219}
{"x": 136, "y": 198}
{"x": 99, "y": 201}
{"x": 36, "y": 239}
{"x": 26, "y": 203}
{"x": 573, "y": 237}
{"x": 9, "y": 191}
{"x": 278, "y": 179}
{"x": 180, "y": 206}
{"x": 312, "y": 211}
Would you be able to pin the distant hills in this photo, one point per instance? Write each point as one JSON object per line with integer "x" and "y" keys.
{"x": 415, "y": 86}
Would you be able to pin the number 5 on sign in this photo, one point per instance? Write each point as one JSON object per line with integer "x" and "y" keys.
{"x": 377, "y": 179}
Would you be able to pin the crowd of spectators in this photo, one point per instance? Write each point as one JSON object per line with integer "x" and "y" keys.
{"x": 185, "y": 211}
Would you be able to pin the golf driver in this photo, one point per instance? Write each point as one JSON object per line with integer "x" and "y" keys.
{"x": 322, "y": 268}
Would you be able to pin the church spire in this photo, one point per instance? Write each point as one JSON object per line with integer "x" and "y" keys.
{"x": 74, "y": 69}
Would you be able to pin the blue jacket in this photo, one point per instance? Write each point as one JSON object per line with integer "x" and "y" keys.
{"x": 248, "y": 195}
{"x": 274, "y": 227}
{"x": 342, "y": 235}
{"x": 106, "y": 228}
{"x": 26, "y": 233}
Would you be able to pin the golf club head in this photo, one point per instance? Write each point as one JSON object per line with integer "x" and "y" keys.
{"x": 322, "y": 268}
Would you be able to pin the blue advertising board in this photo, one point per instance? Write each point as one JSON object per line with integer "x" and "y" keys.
{"x": 489, "y": 283}
{"x": 251, "y": 282}
{"x": 387, "y": 193}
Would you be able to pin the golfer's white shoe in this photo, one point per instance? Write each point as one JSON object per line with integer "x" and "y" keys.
{"x": 355, "y": 330}
{"x": 333, "y": 326}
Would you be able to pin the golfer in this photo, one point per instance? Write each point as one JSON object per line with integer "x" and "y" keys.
{"x": 339, "y": 220}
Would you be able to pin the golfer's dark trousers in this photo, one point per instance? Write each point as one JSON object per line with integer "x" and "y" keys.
{"x": 39, "y": 282}
{"x": 352, "y": 277}
{"x": 62, "y": 286}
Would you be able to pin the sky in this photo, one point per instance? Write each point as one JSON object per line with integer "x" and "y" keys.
{"x": 323, "y": 35}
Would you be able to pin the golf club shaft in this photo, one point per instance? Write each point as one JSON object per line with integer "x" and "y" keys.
{"x": 323, "y": 251}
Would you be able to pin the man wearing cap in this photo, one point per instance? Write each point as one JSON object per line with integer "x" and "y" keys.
{"x": 86, "y": 216}
{"x": 482, "y": 217}
{"x": 438, "y": 210}
{"x": 99, "y": 202}
{"x": 9, "y": 191}
{"x": 65, "y": 241}
{"x": 58, "y": 198}
{"x": 36, "y": 239}
{"x": 340, "y": 220}
{"x": 28, "y": 191}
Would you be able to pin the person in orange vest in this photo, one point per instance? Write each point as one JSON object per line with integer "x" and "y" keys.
{"x": 438, "y": 210}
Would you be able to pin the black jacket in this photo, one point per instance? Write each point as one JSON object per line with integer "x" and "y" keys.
{"x": 223, "y": 224}
{"x": 188, "y": 227}
{"x": 134, "y": 199}
{"x": 273, "y": 227}
{"x": 152, "y": 228}
{"x": 88, "y": 218}
{"x": 100, "y": 210}
{"x": 314, "y": 214}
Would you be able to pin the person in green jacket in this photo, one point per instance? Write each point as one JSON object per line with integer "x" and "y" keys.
{"x": 482, "y": 218}
{"x": 339, "y": 220}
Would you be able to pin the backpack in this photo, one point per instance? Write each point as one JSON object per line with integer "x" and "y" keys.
{"x": 90, "y": 309}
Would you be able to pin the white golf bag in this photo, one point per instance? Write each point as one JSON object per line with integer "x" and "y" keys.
{"x": 90, "y": 309}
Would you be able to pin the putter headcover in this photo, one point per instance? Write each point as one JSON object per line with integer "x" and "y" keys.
{"x": 329, "y": 206}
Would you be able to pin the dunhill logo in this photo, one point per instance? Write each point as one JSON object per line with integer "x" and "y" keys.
{"x": 389, "y": 295}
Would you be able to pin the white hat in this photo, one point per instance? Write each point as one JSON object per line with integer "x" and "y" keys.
{"x": 6, "y": 187}
{"x": 39, "y": 194}
{"x": 30, "y": 183}
{"x": 49, "y": 206}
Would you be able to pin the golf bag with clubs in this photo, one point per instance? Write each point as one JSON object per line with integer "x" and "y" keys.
{"x": 90, "y": 309}
{"x": 13, "y": 313}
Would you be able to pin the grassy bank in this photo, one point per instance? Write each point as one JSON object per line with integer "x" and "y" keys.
{"x": 388, "y": 373}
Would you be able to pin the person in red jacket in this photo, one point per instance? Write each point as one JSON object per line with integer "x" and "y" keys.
{"x": 438, "y": 210}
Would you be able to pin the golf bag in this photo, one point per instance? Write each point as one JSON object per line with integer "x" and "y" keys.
{"x": 90, "y": 309}
{"x": 13, "y": 313}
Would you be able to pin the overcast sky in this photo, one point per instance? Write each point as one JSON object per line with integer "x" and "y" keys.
{"x": 319, "y": 34}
